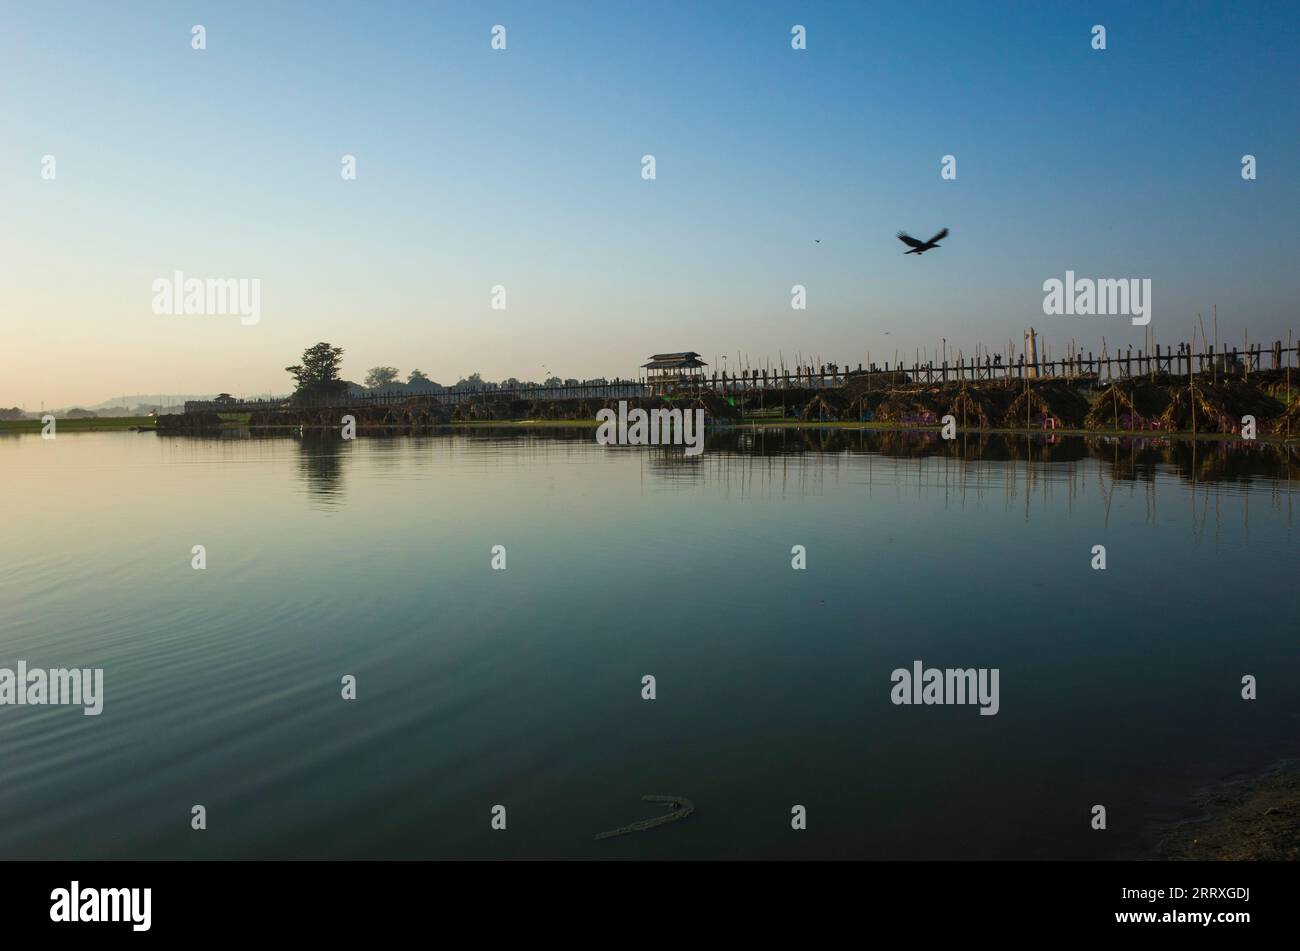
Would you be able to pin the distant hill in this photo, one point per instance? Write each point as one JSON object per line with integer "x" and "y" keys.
{"x": 170, "y": 402}
{"x": 152, "y": 399}
{"x": 123, "y": 405}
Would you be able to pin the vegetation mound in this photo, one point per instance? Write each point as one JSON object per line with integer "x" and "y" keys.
{"x": 1054, "y": 404}
{"x": 1218, "y": 408}
{"x": 1129, "y": 405}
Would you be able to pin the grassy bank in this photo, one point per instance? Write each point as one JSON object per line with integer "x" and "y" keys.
{"x": 716, "y": 424}
{"x": 874, "y": 425}
{"x": 1001, "y": 431}
{"x": 122, "y": 423}
{"x": 463, "y": 424}
{"x": 105, "y": 424}
{"x": 524, "y": 423}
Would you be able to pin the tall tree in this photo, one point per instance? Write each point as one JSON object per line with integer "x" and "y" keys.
{"x": 320, "y": 364}
{"x": 381, "y": 376}
{"x": 318, "y": 374}
{"x": 417, "y": 376}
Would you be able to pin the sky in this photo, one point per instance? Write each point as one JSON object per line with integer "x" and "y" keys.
{"x": 522, "y": 168}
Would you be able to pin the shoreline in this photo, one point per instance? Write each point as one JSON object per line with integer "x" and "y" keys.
{"x": 97, "y": 424}
{"x": 1262, "y": 406}
{"x": 793, "y": 423}
{"x": 127, "y": 423}
{"x": 1244, "y": 818}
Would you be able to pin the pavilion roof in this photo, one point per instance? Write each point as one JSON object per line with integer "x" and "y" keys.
{"x": 687, "y": 360}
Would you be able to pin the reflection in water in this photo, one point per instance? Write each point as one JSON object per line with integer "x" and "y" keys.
{"x": 774, "y": 462}
{"x": 777, "y": 462}
{"x": 320, "y": 466}
{"x": 759, "y": 461}
{"x": 371, "y": 557}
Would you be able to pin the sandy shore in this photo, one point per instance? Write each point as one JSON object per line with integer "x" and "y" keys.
{"x": 1252, "y": 819}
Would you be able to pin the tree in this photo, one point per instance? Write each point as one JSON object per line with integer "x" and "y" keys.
{"x": 380, "y": 377}
{"x": 318, "y": 374}
{"x": 417, "y": 376}
{"x": 320, "y": 365}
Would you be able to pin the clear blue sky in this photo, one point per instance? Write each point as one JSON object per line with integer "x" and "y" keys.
{"x": 522, "y": 168}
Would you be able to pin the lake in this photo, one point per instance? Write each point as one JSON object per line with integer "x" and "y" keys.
{"x": 522, "y": 687}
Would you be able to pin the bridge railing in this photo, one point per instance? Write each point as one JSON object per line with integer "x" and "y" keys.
{"x": 1078, "y": 366}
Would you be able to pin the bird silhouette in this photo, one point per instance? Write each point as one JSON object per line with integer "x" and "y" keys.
{"x": 920, "y": 247}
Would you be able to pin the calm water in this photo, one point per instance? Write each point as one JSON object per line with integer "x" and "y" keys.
{"x": 522, "y": 687}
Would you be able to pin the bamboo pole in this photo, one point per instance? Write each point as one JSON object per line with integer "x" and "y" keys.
{"x": 1216, "y": 344}
{"x": 1028, "y": 413}
{"x": 1205, "y": 341}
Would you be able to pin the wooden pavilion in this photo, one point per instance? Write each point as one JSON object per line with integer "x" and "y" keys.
{"x": 668, "y": 371}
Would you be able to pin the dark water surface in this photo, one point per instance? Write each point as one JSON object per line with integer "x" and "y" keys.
{"x": 523, "y": 687}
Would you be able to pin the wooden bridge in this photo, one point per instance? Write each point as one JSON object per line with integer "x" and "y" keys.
{"x": 1084, "y": 368}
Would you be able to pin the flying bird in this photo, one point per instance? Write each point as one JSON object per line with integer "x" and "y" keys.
{"x": 920, "y": 247}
